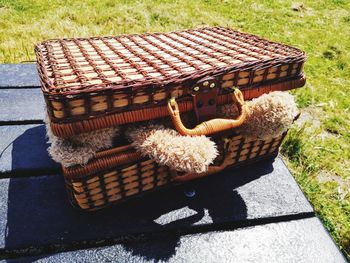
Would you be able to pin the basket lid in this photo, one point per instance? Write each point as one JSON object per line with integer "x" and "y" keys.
{"x": 90, "y": 65}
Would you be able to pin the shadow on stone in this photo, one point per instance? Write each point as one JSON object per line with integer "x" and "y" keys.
{"x": 40, "y": 216}
{"x": 29, "y": 153}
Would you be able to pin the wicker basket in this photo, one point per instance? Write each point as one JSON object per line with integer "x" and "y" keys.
{"x": 94, "y": 83}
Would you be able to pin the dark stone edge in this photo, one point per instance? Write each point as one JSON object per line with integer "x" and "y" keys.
{"x": 21, "y": 122}
{"x": 25, "y": 173}
{"x": 20, "y": 87}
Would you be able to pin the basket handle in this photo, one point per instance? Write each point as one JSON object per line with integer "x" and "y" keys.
{"x": 211, "y": 126}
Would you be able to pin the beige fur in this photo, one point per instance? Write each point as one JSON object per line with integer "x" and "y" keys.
{"x": 168, "y": 147}
{"x": 268, "y": 117}
{"x": 81, "y": 148}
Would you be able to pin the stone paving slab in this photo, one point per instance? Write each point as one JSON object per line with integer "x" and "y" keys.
{"x": 19, "y": 76}
{"x": 295, "y": 241}
{"x": 21, "y": 105}
{"x": 36, "y": 212}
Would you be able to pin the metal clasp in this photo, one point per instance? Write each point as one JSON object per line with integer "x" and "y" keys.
{"x": 204, "y": 94}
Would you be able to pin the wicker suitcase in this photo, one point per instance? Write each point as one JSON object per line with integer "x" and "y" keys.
{"x": 94, "y": 83}
{"x": 90, "y": 84}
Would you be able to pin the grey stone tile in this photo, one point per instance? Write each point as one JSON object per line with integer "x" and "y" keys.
{"x": 294, "y": 241}
{"x": 19, "y": 76}
{"x": 21, "y": 105}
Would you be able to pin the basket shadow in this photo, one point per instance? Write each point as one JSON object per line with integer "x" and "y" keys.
{"x": 39, "y": 215}
{"x": 29, "y": 153}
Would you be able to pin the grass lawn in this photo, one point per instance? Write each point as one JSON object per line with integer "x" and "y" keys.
{"x": 317, "y": 150}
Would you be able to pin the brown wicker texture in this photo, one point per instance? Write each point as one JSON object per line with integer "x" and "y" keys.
{"x": 155, "y": 112}
{"x": 120, "y": 174}
{"x": 84, "y": 80}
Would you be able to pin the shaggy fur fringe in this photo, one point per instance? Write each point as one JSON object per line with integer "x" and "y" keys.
{"x": 168, "y": 147}
{"x": 269, "y": 116}
{"x": 81, "y": 148}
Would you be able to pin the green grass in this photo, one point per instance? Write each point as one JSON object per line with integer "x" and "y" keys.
{"x": 317, "y": 151}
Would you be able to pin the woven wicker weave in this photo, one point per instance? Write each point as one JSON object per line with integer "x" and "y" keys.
{"x": 120, "y": 174}
{"x": 98, "y": 82}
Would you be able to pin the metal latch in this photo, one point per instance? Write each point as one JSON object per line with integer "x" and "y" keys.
{"x": 205, "y": 93}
